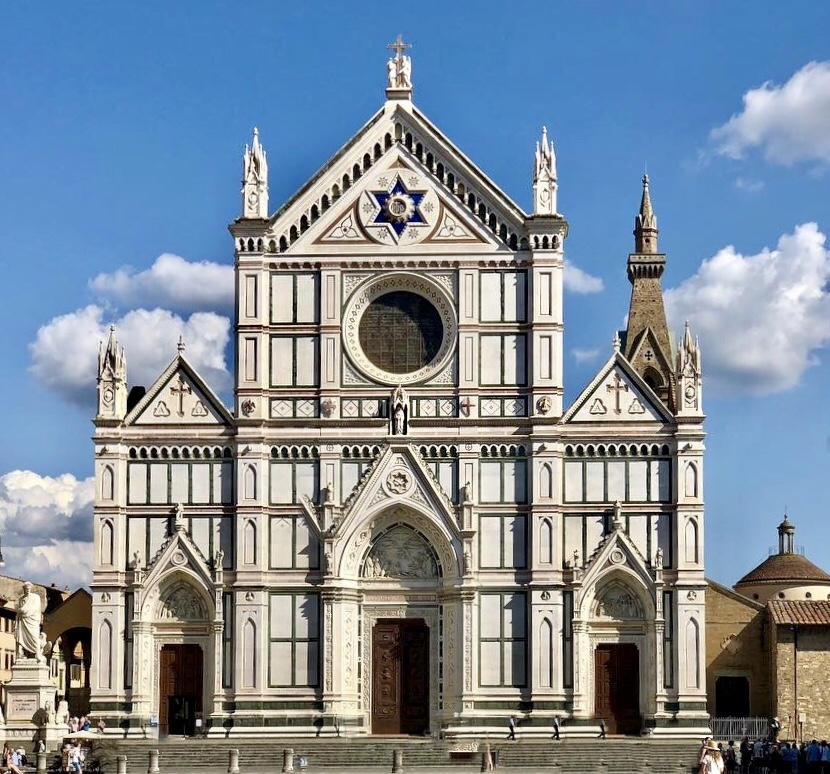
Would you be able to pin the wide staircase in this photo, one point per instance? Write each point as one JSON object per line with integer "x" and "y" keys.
{"x": 573, "y": 756}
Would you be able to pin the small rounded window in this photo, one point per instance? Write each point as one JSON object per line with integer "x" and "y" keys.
{"x": 780, "y": 595}
{"x": 808, "y": 595}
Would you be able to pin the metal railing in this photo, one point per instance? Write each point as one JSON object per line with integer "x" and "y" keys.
{"x": 737, "y": 728}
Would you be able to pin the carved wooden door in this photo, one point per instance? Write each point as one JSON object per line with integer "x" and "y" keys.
{"x": 617, "y": 687}
{"x": 400, "y": 680}
{"x": 180, "y": 689}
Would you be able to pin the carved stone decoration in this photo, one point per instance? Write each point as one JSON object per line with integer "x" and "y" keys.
{"x": 691, "y": 596}
{"x": 617, "y": 556}
{"x": 401, "y": 553}
{"x": 544, "y": 404}
{"x": 398, "y": 482}
{"x": 327, "y": 407}
{"x": 248, "y": 407}
{"x": 182, "y": 604}
{"x": 619, "y": 603}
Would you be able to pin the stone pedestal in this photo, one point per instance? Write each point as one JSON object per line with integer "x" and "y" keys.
{"x": 29, "y": 693}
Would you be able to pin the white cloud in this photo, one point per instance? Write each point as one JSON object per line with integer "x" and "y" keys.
{"x": 761, "y": 318}
{"x": 65, "y": 351}
{"x": 578, "y": 281}
{"x": 786, "y": 123}
{"x": 47, "y": 527}
{"x": 171, "y": 282}
{"x": 585, "y": 355}
{"x": 749, "y": 185}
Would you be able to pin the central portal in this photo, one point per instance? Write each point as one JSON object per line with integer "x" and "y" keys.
{"x": 400, "y": 680}
{"x": 617, "y": 688}
{"x": 180, "y": 689}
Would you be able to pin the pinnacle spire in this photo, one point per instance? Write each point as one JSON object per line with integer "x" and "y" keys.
{"x": 544, "y": 177}
{"x": 254, "y": 180}
{"x": 645, "y": 224}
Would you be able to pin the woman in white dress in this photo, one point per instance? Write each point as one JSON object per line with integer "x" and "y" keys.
{"x": 711, "y": 762}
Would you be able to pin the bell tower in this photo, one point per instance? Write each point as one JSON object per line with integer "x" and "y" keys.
{"x": 647, "y": 345}
{"x": 112, "y": 379}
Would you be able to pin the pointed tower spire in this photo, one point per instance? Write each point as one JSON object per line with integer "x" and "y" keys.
{"x": 254, "y": 180}
{"x": 544, "y": 177}
{"x": 647, "y": 342}
{"x": 688, "y": 376}
{"x": 112, "y": 379}
{"x": 645, "y": 224}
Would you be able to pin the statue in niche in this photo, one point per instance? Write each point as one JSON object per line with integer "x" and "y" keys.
{"x": 400, "y": 410}
{"x": 658, "y": 558}
{"x": 468, "y": 560}
{"x": 467, "y": 493}
{"x": 619, "y": 604}
{"x": 219, "y": 559}
{"x": 400, "y": 553}
{"x": 136, "y": 562}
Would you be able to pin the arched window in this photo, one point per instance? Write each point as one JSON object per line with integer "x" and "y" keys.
{"x": 691, "y": 541}
{"x": 249, "y": 543}
{"x": 545, "y": 482}
{"x": 545, "y": 542}
{"x": 249, "y": 654}
{"x": 545, "y": 654}
{"x": 250, "y": 483}
{"x": 103, "y": 658}
{"x": 692, "y": 654}
{"x": 106, "y": 543}
{"x": 107, "y": 483}
{"x": 691, "y": 480}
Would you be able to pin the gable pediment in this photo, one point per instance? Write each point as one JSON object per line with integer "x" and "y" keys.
{"x": 398, "y": 477}
{"x": 179, "y": 397}
{"x": 468, "y": 208}
{"x": 617, "y": 394}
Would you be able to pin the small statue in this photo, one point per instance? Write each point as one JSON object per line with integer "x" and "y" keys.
{"x": 658, "y": 558}
{"x": 467, "y": 493}
{"x": 178, "y": 519}
{"x": 136, "y": 563}
{"x": 575, "y": 563}
{"x": 468, "y": 560}
{"x": 617, "y": 522}
{"x": 219, "y": 559}
{"x": 62, "y": 714}
{"x": 400, "y": 408}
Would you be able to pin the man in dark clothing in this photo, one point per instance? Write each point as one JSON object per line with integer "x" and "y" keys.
{"x": 556, "y": 727}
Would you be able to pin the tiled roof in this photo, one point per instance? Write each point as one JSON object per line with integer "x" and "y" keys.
{"x": 785, "y": 568}
{"x": 800, "y": 612}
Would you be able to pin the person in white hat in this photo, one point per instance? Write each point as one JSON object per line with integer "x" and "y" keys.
{"x": 711, "y": 761}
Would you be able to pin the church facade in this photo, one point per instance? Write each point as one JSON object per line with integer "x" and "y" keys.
{"x": 399, "y": 528}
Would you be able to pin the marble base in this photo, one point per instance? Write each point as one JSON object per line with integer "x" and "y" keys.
{"x": 29, "y": 691}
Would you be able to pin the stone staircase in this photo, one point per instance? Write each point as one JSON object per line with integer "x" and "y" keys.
{"x": 573, "y": 756}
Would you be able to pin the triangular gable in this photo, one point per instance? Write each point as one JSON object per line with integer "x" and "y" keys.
{"x": 398, "y": 476}
{"x": 178, "y": 553}
{"x": 617, "y": 394}
{"x": 617, "y": 553}
{"x": 179, "y": 397}
{"x": 429, "y": 214}
{"x": 404, "y": 132}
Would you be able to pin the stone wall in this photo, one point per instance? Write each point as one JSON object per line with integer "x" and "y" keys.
{"x": 735, "y": 646}
{"x": 812, "y": 672}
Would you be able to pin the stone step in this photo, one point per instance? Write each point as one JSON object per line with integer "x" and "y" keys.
{"x": 574, "y": 756}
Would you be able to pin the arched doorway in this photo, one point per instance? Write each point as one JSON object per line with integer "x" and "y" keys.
{"x": 180, "y": 688}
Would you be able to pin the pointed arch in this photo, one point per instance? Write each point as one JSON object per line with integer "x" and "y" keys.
{"x": 691, "y": 542}
{"x": 691, "y": 480}
{"x": 106, "y": 542}
{"x": 546, "y": 653}
{"x": 249, "y": 543}
{"x": 249, "y": 654}
{"x": 250, "y": 483}
{"x": 692, "y": 653}
{"x": 103, "y": 655}
{"x": 107, "y": 483}
{"x": 545, "y": 542}
{"x": 545, "y": 481}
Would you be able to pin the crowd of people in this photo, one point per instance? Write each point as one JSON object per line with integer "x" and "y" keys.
{"x": 764, "y": 756}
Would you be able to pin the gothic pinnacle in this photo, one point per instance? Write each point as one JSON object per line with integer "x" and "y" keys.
{"x": 645, "y": 224}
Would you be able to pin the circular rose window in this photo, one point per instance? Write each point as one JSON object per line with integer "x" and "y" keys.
{"x": 399, "y": 329}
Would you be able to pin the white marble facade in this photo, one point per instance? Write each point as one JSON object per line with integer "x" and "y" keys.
{"x": 399, "y": 449}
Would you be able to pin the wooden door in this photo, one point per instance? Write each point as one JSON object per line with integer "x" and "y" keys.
{"x": 617, "y": 687}
{"x": 400, "y": 679}
{"x": 180, "y": 689}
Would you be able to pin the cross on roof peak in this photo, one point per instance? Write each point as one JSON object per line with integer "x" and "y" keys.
{"x": 399, "y": 46}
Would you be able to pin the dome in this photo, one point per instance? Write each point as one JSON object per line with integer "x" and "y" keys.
{"x": 785, "y": 569}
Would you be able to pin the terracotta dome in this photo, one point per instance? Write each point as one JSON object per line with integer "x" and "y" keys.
{"x": 785, "y": 569}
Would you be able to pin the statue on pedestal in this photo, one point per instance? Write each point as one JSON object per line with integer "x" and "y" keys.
{"x": 29, "y": 619}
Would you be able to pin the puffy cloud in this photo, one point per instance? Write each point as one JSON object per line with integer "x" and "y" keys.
{"x": 585, "y": 355}
{"x": 65, "y": 351}
{"x": 171, "y": 282}
{"x": 761, "y": 318}
{"x": 578, "y": 281}
{"x": 47, "y": 527}
{"x": 786, "y": 123}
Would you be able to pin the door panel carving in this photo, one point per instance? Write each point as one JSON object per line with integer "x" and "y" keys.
{"x": 617, "y": 687}
{"x": 400, "y": 683}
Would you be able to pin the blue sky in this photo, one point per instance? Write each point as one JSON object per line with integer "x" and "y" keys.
{"x": 121, "y": 139}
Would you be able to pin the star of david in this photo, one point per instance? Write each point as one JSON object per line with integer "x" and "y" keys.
{"x": 398, "y": 207}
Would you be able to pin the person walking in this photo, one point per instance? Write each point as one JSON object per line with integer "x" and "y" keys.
{"x": 602, "y": 728}
{"x": 511, "y": 727}
{"x": 711, "y": 761}
{"x": 556, "y": 724}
